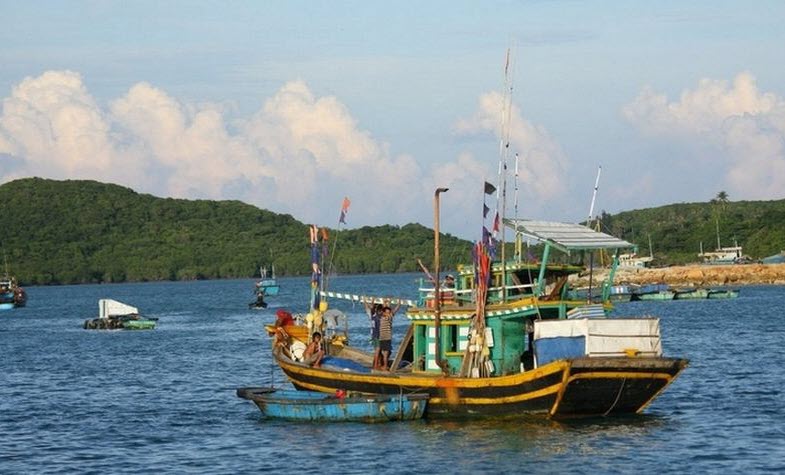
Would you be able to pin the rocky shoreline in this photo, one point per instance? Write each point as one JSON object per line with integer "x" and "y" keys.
{"x": 697, "y": 275}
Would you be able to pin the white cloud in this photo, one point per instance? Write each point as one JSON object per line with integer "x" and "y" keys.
{"x": 542, "y": 160}
{"x": 746, "y": 125}
{"x": 298, "y": 154}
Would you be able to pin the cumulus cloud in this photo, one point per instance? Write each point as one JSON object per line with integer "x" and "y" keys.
{"x": 542, "y": 160}
{"x": 299, "y": 153}
{"x": 746, "y": 125}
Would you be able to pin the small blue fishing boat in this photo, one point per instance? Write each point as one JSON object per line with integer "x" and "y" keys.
{"x": 268, "y": 285}
{"x": 320, "y": 407}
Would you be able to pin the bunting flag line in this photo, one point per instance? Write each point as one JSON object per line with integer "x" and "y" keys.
{"x": 496, "y": 226}
{"x": 489, "y": 188}
{"x": 344, "y": 210}
{"x": 368, "y": 298}
{"x": 485, "y": 210}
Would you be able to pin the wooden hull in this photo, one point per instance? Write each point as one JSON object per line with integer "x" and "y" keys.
{"x": 561, "y": 389}
{"x": 319, "y": 407}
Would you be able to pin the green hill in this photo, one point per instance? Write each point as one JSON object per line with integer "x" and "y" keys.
{"x": 63, "y": 232}
{"x": 678, "y": 230}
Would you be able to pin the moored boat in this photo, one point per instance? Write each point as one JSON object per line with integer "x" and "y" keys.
{"x": 337, "y": 407}
{"x": 12, "y": 295}
{"x": 723, "y": 293}
{"x": 114, "y": 315}
{"x": 658, "y": 295}
{"x": 508, "y": 337}
{"x": 690, "y": 293}
{"x": 653, "y": 292}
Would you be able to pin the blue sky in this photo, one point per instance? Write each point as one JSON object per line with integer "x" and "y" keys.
{"x": 291, "y": 106}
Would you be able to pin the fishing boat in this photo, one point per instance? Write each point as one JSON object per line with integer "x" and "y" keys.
{"x": 774, "y": 259}
{"x": 7, "y": 294}
{"x": 722, "y": 293}
{"x": 653, "y": 292}
{"x": 533, "y": 350}
{"x": 12, "y": 295}
{"x": 723, "y": 255}
{"x": 508, "y": 338}
{"x": 314, "y": 406}
{"x": 268, "y": 284}
{"x": 114, "y": 315}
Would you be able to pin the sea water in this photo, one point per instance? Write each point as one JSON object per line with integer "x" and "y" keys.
{"x": 90, "y": 401}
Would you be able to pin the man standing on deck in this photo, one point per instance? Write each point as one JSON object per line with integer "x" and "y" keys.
{"x": 385, "y": 334}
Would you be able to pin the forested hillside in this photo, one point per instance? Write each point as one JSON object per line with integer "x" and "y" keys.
{"x": 678, "y": 230}
{"x": 62, "y": 232}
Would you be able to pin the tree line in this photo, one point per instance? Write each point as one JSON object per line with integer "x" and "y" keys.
{"x": 79, "y": 231}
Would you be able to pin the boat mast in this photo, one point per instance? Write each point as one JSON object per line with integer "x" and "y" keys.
{"x": 504, "y": 153}
{"x": 436, "y": 292}
{"x": 588, "y": 225}
{"x": 518, "y": 246}
{"x": 594, "y": 196}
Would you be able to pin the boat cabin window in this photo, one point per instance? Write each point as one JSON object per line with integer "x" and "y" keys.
{"x": 452, "y": 338}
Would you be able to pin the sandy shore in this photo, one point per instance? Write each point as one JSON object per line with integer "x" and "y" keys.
{"x": 699, "y": 275}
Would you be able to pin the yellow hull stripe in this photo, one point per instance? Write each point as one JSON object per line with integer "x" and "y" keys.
{"x": 469, "y": 400}
{"x": 500, "y": 400}
{"x": 429, "y": 381}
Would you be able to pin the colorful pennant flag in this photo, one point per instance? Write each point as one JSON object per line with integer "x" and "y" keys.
{"x": 485, "y": 210}
{"x": 344, "y": 210}
{"x": 489, "y": 188}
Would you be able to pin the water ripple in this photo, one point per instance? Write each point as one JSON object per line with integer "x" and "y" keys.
{"x": 149, "y": 402}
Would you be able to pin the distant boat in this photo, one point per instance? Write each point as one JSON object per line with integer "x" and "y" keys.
{"x": 775, "y": 259}
{"x": 723, "y": 293}
{"x": 267, "y": 284}
{"x": 634, "y": 261}
{"x": 622, "y": 293}
{"x": 723, "y": 255}
{"x": 653, "y": 292}
{"x": 114, "y": 315}
{"x": 11, "y": 294}
{"x": 320, "y": 407}
{"x": 690, "y": 293}
{"x": 658, "y": 295}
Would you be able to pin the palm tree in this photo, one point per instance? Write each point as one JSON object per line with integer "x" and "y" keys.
{"x": 719, "y": 202}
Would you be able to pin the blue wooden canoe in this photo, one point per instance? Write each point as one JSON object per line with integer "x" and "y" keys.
{"x": 320, "y": 407}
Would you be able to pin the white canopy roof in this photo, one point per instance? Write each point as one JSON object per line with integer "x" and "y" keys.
{"x": 109, "y": 307}
{"x": 566, "y": 236}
